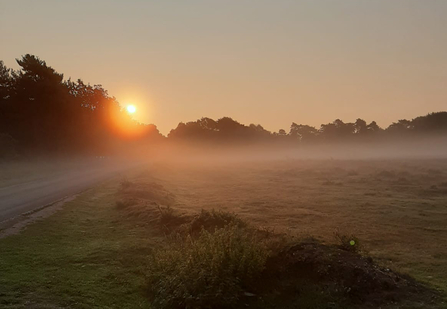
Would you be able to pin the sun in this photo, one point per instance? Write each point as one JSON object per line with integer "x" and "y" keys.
{"x": 131, "y": 109}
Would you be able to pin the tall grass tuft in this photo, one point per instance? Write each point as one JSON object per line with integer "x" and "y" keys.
{"x": 212, "y": 220}
{"x": 210, "y": 271}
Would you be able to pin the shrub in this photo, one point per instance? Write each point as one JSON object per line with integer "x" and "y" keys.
{"x": 212, "y": 220}
{"x": 211, "y": 271}
{"x": 168, "y": 217}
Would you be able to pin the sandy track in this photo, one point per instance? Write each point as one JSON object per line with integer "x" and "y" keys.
{"x": 19, "y": 199}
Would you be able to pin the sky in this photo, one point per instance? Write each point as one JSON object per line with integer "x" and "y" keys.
{"x": 264, "y": 62}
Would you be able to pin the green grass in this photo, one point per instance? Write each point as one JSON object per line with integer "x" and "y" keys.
{"x": 84, "y": 256}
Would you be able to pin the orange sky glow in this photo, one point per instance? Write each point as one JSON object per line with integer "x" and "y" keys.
{"x": 266, "y": 62}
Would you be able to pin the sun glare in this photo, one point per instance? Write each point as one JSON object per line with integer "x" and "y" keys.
{"x": 131, "y": 109}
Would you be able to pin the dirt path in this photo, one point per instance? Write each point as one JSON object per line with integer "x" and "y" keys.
{"x": 21, "y": 199}
{"x": 14, "y": 226}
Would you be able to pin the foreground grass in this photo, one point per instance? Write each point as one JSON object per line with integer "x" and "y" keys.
{"x": 94, "y": 253}
{"x": 84, "y": 256}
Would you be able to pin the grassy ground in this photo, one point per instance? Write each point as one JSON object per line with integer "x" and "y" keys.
{"x": 90, "y": 255}
{"x": 397, "y": 208}
{"x": 84, "y": 256}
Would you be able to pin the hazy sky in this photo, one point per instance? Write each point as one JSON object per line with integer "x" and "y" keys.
{"x": 268, "y": 62}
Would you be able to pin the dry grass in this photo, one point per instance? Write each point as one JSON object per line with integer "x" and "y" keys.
{"x": 396, "y": 208}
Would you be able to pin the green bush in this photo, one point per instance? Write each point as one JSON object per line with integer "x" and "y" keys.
{"x": 211, "y": 271}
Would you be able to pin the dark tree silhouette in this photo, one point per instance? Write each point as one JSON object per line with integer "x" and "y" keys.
{"x": 360, "y": 127}
{"x": 44, "y": 113}
{"x": 400, "y": 127}
{"x": 40, "y": 112}
{"x": 432, "y": 123}
{"x": 303, "y": 133}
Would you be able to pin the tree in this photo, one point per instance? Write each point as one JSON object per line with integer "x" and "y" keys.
{"x": 400, "y": 127}
{"x": 282, "y": 132}
{"x": 5, "y": 81}
{"x": 337, "y": 130}
{"x": 303, "y": 133}
{"x": 6, "y": 84}
{"x": 431, "y": 123}
{"x": 39, "y": 105}
{"x": 360, "y": 126}
{"x": 373, "y": 128}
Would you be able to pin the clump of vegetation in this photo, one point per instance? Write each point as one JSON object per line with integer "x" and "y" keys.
{"x": 211, "y": 271}
{"x": 212, "y": 220}
{"x": 347, "y": 242}
{"x": 147, "y": 192}
{"x": 169, "y": 218}
{"x": 150, "y": 202}
{"x": 166, "y": 213}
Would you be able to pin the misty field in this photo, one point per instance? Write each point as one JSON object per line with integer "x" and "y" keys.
{"x": 398, "y": 209}
{"x": 96, "y": 251}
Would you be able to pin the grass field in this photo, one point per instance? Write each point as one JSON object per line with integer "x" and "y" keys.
{"x": 92, "y": 255}
{"x": 398, "y": 209}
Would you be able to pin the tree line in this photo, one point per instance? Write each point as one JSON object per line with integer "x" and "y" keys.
{"x": 229, "y": 130}
{"x": 40, "y": 112}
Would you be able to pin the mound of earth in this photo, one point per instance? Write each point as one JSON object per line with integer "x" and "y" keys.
{"x": 339, "y": 279}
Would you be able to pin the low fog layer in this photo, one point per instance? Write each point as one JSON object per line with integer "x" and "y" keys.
{"x": 424, "y": 148}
